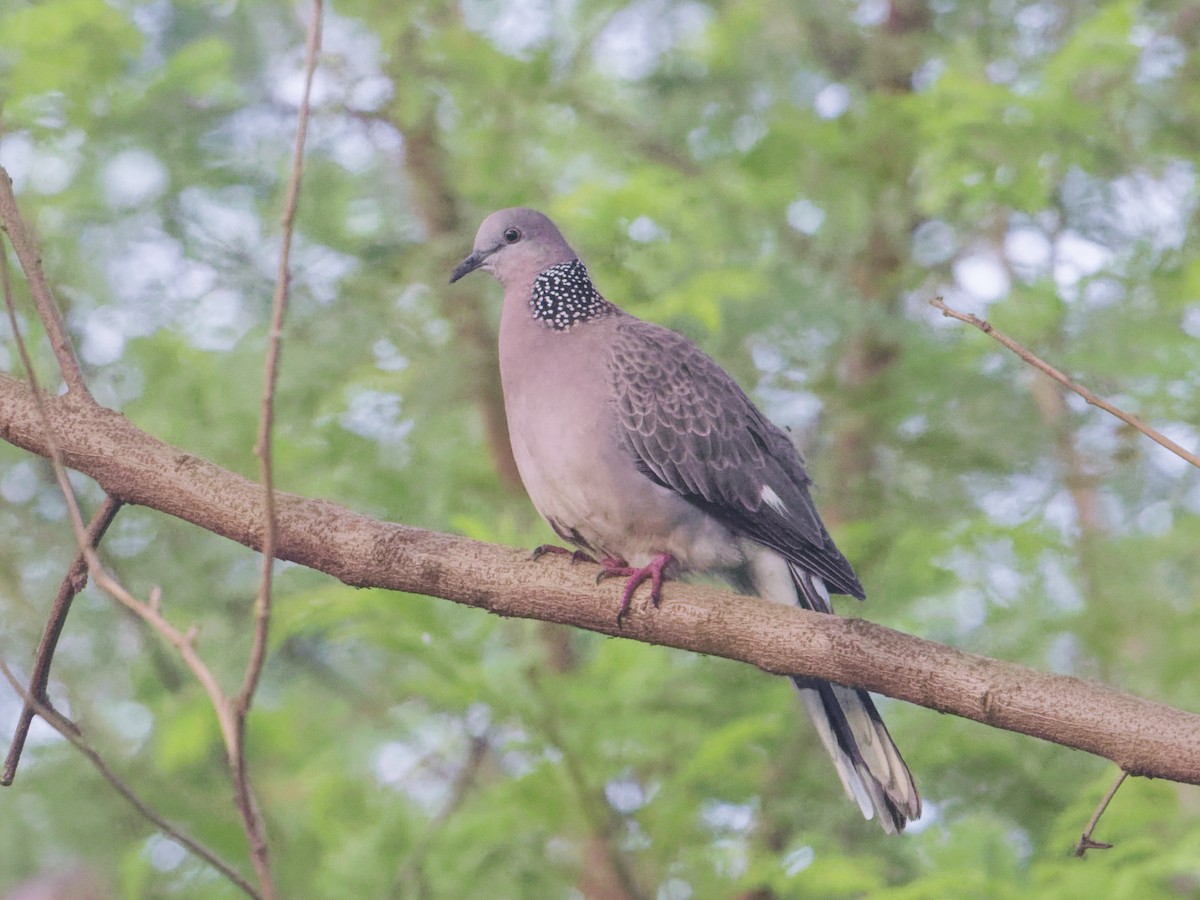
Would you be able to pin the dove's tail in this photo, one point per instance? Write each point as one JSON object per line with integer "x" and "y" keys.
{"x": 867, "y": 761}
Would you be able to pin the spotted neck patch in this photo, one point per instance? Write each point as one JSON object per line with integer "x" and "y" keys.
{"x": 563, "y": 296}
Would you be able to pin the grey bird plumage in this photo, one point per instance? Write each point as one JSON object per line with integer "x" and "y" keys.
{"x": 642, "y": 452}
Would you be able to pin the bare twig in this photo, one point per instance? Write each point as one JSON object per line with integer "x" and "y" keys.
{"x": 231, "y": 716}
{"x": 72, "y": 583}
{"x": 149, "y": 612}
{"x": 60, "y": 471}
{"x": 70, "y": 731}
{"x": 1086, "y": 842}
{"x": 184, "y": 643}
{"x": 262, "y": 447}
{"x": 1042, "y": 366}
{"x": 251, "y": 817}
{"x": 31, "y": 262}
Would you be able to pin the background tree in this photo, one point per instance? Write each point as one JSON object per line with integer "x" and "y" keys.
{"x": 789, "y": 187}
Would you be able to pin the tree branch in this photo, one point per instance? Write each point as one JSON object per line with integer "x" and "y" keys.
{"x": 73, "y": 582}
{"x": 1086, "y": 841}
{"x": 247, "y": 804}
{"x": 149, "y": 612}
{"x": 1140, "y": 736}
{"x": 68, "y": 730}
{"x": 1028, "y": 356}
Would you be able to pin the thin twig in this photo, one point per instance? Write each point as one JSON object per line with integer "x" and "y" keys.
{"x": 72, "y": 583}
{"x": 70, "y": 731}
{"x": 986, "y": 327}
{"x": 183, "y": 642}
{"x": 1086, "y": 842}
{"x": 103, "y": 580}
{"x": 60, "y": 470}
{"x": 262, "y": 447}
{"x": 252, "y": 818}
{"x": 149, "y": 612}
{"x": 31, "y": 262}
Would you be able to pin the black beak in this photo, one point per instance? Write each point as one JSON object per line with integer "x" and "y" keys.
{"x": 469, "y": 265}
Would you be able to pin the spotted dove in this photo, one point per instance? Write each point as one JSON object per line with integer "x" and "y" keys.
{"x": 644, "y": 454}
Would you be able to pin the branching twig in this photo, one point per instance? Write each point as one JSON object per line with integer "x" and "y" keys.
{"x": 1086, "y": 842}
{"x": 251, "y": 817}
{"x": 31, "y": 263}
{"x": 1042, "y": 366}
{"x": 11, "y": 220}
{"x": 72, "y": 583}
{"x": 71, "y": 732}
{"x": 231, "y": 715}
{"x": 149, "y": 612}
{"x": 262, "y": 447}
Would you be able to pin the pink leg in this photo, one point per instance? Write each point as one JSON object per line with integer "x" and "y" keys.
{"x": 612, "y": 566}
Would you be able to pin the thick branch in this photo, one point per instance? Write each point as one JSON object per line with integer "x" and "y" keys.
{"x": 1142, "y": 737}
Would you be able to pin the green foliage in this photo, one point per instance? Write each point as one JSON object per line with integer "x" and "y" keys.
{"x": 72, "y": 49}
{"x": 788, "y": 185}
